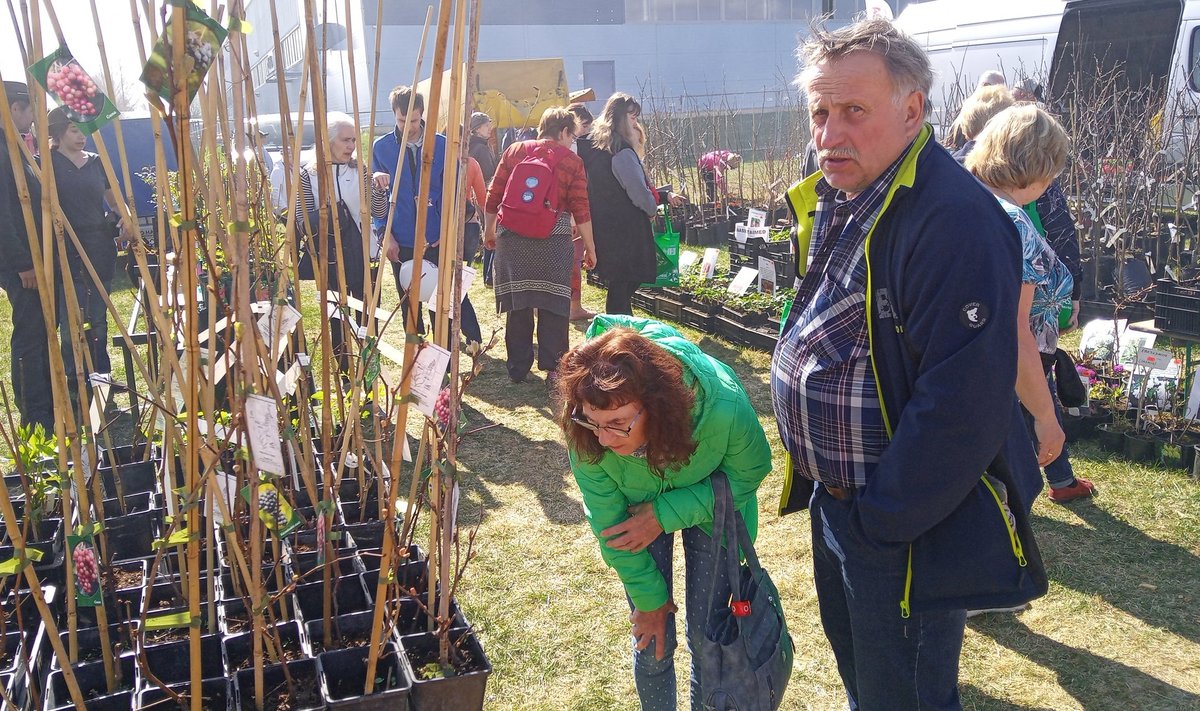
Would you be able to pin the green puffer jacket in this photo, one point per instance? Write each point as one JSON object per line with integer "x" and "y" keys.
{"x": 728, "y": 438}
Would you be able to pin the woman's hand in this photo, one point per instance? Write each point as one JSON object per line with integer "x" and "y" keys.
{"x": 489, "y": 238}
{"x": 381, "y": 180}
{"x": 652, "y": 626}
{"x": 1050, "y": 440}
{"x": 676, "y": 200}
{"x": 636, "y": 532}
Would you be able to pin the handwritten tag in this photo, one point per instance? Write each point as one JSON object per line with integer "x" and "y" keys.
{"x": 466, "y": 276}
{"x": 1153, "y": 358}
{"x": 741, "y": 283}
{"x": 756, "y": 217}
{"x": 262, "y": 421}
{"x": 708, "y": 265}
{"x": 287, "y": 381}
{"x": 766, "y": 275}
{"x": 428, "y": 371}
{"x": 281, "y": 320}
{"x": 687, "y": 260}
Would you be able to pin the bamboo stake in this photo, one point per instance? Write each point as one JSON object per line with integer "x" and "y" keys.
{"x": 410, "y": 345}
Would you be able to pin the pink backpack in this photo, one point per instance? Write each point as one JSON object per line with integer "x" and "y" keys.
{"x": 530, "y": 203}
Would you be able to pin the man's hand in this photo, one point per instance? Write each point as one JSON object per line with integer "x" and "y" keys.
{"x": 1074, "y": 318}
{"x": 381, "y": 181}
{"x": 392, "y": 249}
{"x": 652, "y": 626}
{"x": 1050, "y": 439}
{"x": 676, "y": 200}
{"x": 636, "y": 532}
{"x": 28, "y": 279}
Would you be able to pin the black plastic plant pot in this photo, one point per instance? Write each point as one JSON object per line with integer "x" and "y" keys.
{"x": 215, "y": 695}
{"x": 131, "y": 536}
{"x": 88, "y": 639}
{"x": 304, "y": 696}
{"x": 115, "y": 604}
{"x": 120, "y": 701}
{"x": 239, "y": 648}
{"x": 346, "y": 631}
{"x": 92, "y": 684}
{"x": 136, "y": 478}
{"x": 464, "y": 689}
{"x": 126, "y": 575}
{"x": 366, "y": 535}
{"x": 270, "y": 580}
{"x": 171, "y": 662}
{"x": 133, "y": 503}
{"x": 128, "y": 454}
{"x": 12, "y": 649}
{"x": 233, "y": 619}
{"x": 411, "y": 578}
{"x": 15, "y": 685}
{"x": 305, "y": 564}
{"x": 348, "y": 592}
{"x": 47, "y": 539}
{"x": 343, "y": 673}
{"x": 413, "y": 619}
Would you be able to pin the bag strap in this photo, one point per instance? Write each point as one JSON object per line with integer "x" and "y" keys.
{"x": 727, "y": 520}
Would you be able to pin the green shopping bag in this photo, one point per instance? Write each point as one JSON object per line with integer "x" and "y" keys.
{"x": 666, "y": 252}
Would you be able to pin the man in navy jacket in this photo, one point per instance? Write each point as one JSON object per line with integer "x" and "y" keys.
{"x": 402, "y": 175}
{"x": 893, "y": 381}
{"x": 28, "y": 347}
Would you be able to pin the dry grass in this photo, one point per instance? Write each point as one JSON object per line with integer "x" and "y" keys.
{"x": 1120, "y": 628}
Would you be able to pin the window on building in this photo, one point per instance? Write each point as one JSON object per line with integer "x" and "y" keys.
{"x": 686, "y": 10}
{"x": 1195, "y": 63}
{"x": 709, "y": 10}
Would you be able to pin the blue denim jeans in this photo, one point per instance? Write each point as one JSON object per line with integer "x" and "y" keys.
{"x": 655, "y": 678}
{"x": 885, "y": 661}
{"x": 1059, "y": 473}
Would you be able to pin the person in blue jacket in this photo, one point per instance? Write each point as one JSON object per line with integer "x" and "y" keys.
{"x": 402, "y": 176}
{"x": 893, "y": 380}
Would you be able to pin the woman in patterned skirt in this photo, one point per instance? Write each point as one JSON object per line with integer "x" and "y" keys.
{"x": 534, "y": 273}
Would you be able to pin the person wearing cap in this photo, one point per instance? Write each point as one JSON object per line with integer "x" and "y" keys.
{"x": 28, "y": 346}
{"x": 87, "y": 202}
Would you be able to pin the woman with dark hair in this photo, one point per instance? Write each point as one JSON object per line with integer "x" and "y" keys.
{"x": 87, "y": 203}
{"x": 623, "y": 202}
{"x": 648, "y": 418}
{"x": 532, "y": 273}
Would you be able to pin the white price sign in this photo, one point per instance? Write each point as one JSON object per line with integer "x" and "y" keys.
{"x": 1153, "y": 358}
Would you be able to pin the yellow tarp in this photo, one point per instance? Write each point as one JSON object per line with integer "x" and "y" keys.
{"x": 515, "y": 93}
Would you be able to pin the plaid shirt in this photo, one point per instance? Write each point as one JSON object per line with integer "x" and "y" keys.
{"x": 829, "y": 413}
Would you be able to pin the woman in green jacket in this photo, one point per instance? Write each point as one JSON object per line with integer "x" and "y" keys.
{"x": 648, "y": 418}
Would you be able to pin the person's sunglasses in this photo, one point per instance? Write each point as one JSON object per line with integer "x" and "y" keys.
{"x": 578, "y": 418}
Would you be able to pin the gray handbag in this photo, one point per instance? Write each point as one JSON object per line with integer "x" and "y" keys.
{"x": 746, "y": 653}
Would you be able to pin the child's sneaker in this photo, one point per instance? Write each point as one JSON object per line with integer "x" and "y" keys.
{"x": 1082, "y": 488}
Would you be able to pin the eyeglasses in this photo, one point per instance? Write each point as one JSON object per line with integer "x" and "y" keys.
{"x": 587, "y": 424}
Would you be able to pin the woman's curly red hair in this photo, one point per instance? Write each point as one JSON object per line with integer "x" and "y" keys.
{"x": 623, "y": 366}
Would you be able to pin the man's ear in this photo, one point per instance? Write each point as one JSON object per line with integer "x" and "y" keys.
{"x": 914, "y": 109}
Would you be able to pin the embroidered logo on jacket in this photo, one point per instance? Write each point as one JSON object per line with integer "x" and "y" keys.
{"x": 973, "y": 315}
{"x": 883, "y": 304}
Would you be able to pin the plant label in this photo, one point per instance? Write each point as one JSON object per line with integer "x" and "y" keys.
{"x": 262, "y": 422}
{"x": 687, "y": 259}
{"x": 277, "y": 325}
{"x": 766, "y": 275}
{"x": 466, "y": 278}
{"x": 708, "y": 265}
{"x": 203, "y": 37}
{"x": 741, "y": 283}
{"x": 75, "y": 91}
{"x": 743, "y": 232}
{"x": 429, "y": 369}
{"x": 756, "y": 217}
{"x": 1153, "y": 358}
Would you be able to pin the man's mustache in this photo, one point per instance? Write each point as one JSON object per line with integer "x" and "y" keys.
{"x": 847, "y": 153}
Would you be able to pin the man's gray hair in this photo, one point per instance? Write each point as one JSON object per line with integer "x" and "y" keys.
{"x": 906, "y": 61}
{"x": 336, "y": 120}
{"x": 992, "y": 77}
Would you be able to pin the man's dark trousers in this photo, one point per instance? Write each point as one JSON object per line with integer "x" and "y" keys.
{"x": 30, "y": 357}
{"x": 885, "y": 661}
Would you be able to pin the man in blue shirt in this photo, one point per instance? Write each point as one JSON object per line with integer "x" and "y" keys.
{"x": 396, "y": 165}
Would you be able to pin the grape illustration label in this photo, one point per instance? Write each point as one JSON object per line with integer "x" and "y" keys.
{"x": 274, "y": 510}
{"x": 87, "y": 572}
{"x": 74, "y": 89}
{"x": 203, "y": 37}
